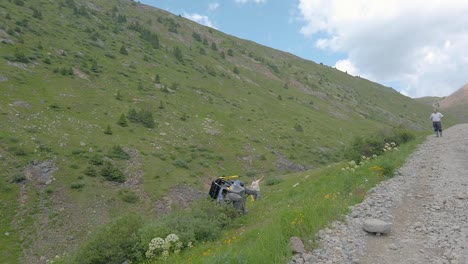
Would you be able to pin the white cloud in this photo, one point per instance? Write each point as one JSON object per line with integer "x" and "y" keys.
{"x": 246, "y": 1}
{"x": 201, "y": 19}
{"x": 347, "y": 66}
{"x": 418, "y": 44}
{"x": 213, "y": 6}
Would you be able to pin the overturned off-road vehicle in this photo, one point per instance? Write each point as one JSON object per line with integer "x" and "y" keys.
{"x": 226, "y": 190}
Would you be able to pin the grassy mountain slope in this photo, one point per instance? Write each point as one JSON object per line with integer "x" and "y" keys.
{"x": 71, "y": 71}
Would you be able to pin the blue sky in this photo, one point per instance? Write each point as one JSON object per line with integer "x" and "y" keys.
{"x": 418, "y": 47}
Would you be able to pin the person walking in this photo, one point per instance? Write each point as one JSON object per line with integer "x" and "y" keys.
{"x": 436, "y": 118}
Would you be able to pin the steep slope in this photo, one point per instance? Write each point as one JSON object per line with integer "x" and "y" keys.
{"x": 108, "y": 105}
{"x": 459, "y": 97}
{"x": 455, "y": 104}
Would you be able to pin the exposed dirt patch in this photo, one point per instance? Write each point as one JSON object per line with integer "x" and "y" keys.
{"x": 135, "y": 175}
{"x": 180, "y": 196}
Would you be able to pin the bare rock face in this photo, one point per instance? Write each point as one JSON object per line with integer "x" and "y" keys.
{"x": 373, "y": 225}
{"x": 41, "y": 173}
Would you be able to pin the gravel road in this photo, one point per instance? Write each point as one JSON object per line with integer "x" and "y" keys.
{"x": 426, "y": 203}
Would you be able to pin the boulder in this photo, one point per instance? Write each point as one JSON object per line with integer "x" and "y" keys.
{"x": 296, "y": 245}
{"x": 373, "y": 225}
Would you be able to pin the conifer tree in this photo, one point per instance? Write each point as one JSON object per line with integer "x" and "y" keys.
{"x": 123, "y": 50}
{"x": 108, "y": 130}
{"x": 122, "y": 121}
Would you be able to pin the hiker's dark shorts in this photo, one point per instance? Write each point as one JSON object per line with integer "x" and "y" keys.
{"x": 437, "y": 126}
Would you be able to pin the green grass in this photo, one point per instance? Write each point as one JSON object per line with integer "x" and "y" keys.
{"x": 10, "y": 245}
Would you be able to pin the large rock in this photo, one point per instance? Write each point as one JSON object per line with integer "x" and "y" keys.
{"x": 373, "y": 225}
{"x": 296, "y": 245}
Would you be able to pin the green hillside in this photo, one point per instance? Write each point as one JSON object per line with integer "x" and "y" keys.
{"x": 108, "y": 107}
{"x": 429, "y": 100}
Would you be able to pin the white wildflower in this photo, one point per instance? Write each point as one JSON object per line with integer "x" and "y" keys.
{"x": 165, "y": 254}
{"x": 172, "y": 238}
{"x": 178, "y": 245}
{"x": 157, "y": 242}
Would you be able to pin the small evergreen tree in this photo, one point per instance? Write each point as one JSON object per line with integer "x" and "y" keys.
{"x": 202, "y": 51}
{"x": 298, "y": 127}
{"x": 178, "y": 54}
{"x": 108, "y": 130}
{"x": 122, "y": 121}
{"x": 223, "y": 56}
{"x": 123, "y": 50}
{"x": 119, "y": 96}
{"x": 133, "y": 115}
{"x": 213, "y": 46}
{"x": 36, "y": 13}
{"x": 146, "y": 118}
{"x": 196, "y": 36}
{"x": 95, "y": 67}
{"x": 230, "y": 52}
{"x": 157, "y": 79}
{"x": 235, "y": 70}
{"x": 161, "y": 105}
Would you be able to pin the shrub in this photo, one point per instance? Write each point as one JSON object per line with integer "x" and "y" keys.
{"x": 18, "y": 151}
{"x": 112, "y": 173}
{"x": 49, "y": 190}
{"x": 144, "y": 117}
{"x": 128, "y": 196}
{"x": 181, "y": 163}
{"x": 375, "y": 143}
{"x": 19, "y": 177}
{"x": 273, "y": 181}
{"x": 388, "y": 168}
{"x": 118, "y": 153}
{"x": 76, "y": 185}
{"x": 298, "y": 127}
{"x": 113, "y": 243}
{"x": 96, "y": 159}
{"x": 90, "y": 171}
{"x": 202, "y": 222}
{"x": 108, "y": 130}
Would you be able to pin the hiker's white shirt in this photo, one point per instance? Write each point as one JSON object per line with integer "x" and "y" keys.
{"x": 255, "y": 185}
{"x": 436, "y": 117}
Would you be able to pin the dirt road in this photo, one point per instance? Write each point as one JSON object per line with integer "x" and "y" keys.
{"x": 426, "y": 203}
{"x": 430, "y": 223}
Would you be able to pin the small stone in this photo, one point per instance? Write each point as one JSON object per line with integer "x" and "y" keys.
{"x": 393, "y": 247}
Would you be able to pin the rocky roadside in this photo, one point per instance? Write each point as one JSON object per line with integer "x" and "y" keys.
{"x": 426, "y": 204}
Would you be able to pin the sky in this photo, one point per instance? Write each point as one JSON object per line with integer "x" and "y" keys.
{"x": 417, "y": 47}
